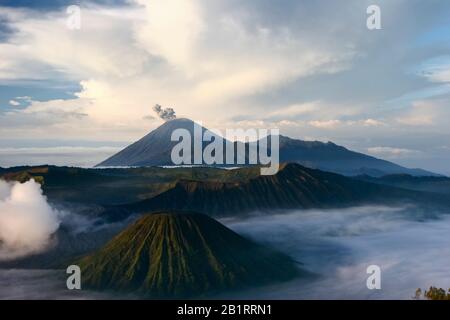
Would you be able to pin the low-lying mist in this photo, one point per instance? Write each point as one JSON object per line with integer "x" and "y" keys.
{"x": 43, "y": 285}
{"x": 412, "y": 247}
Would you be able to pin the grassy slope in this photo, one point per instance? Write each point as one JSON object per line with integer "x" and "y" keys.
{"x": 179, "y": 254}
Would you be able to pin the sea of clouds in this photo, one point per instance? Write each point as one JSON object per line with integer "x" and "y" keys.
{"x": 411, "y": 246}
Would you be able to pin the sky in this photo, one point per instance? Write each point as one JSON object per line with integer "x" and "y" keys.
{"x": 311, "y": 68}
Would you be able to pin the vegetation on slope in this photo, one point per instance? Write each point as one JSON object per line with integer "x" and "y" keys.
{"x": 182, "y": 254}
{"x": 433, "y": 293}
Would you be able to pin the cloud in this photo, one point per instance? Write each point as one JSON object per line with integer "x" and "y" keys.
{"x": 149, "y": 117}
{"x": 32, "y": 284}
{"x": 295, "y": 111}
{"x": 199, "y": 58}
{"x": 421, "y": 113}
{"x": 436, "y": 69}
{"x": 335, "y": 123}
{"x": 27, "y": 221}
{"x": 416, "y": 120}
{"x": 373, "y": 123}
{"x": 61, "y": 156}
{"x": 165, "y": 114}
{"x": 229, "y": 54}
{"x": 443, "y": 75}
{"x": 286, "y": 65}
{"x": 48, "y": 118}
{"x": 325, "y": 124}
{"x": 390, "y": 152}
{"x": 339, "y": 245}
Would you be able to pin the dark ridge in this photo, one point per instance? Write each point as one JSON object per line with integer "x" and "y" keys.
{"x": 293, "y": 187}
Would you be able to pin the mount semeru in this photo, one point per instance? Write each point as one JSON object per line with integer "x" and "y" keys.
{"x": 182, "y": 254}
{"x": 155, "y": 149}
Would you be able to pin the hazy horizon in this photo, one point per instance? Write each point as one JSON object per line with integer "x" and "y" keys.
{"x": 87, "y": 154}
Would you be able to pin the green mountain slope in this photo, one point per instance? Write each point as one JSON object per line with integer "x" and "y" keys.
{"x": 182, "y": 254}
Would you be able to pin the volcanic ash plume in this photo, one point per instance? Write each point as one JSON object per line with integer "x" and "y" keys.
{"x": 164, "y": 113}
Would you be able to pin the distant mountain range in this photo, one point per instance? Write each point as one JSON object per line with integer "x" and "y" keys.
{"x": 439, "y": 184}
{"x": 174, "y": 254}
{"x": 155, "y": 150}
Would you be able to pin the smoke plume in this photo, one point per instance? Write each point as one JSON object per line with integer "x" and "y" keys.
{"x": 26, "y": 219}
{"x": 164, "y": 113}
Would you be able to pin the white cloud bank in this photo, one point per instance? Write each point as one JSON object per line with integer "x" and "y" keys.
{"x": 27, "y": 221}
{"x": 409, "y": 245}
{"x": 391, "y": 152}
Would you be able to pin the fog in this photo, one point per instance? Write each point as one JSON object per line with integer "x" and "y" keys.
{"x": 41, "y": 284}
{"x": 27, "y": 221}
{"x": 411, "y": 246}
